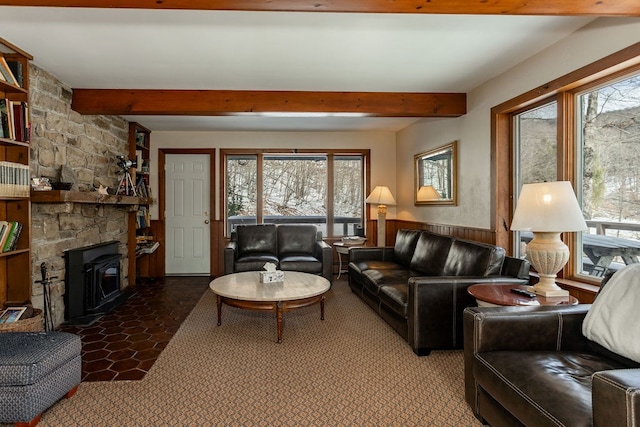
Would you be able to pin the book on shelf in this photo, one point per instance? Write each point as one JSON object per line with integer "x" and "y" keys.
{"x": 14, "y": 179}
{"x": 11, "y": 240}
{"x": 14, "y": 120}
{"x": 16, "y": 69}
{"x": 6, "y": 72}
{"x": 141, "y": 187}
{"x": 9, "y": 234}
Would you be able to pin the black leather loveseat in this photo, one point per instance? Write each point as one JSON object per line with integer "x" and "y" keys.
{"x": 293, "y": 247}
{"x": 419, "y": 286}
{"x": 533, "y": 366}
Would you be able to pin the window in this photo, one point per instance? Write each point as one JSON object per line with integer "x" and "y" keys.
{"x": 321, "y": 188}
{"x": 535, "y": 153}
{"x": 585, "y": 128}
{"x": 608, "y": 162}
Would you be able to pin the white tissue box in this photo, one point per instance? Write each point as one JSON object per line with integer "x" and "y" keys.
{"x": 271, "y": 276}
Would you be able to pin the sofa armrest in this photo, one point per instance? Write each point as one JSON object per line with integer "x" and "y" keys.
{"x": 230, "y": 255}
{"x": 370, "y": 253}
{"x": 518, "y": 328}
{"x": 615, "y": 397}
{"x": 525, "y": 328}
{"x": 323, "y": 252}
{"x": 434, "y": 309}
{"x": 516, "y": 267}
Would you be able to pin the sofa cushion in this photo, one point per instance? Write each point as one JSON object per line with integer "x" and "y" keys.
{"x": 405, "y": 245}
{"x": 302, "y": 263}
{"x": 374, "y": 279}
{"x": 395, "y": 297}
{"x": 377, "y": 265}
{"x": 260, "y": 238}
{"x": 555, "y": 389}
{"x": 299, "y": 239}
{"x": 467, "y": 258}
{"x": 254, "y": 262}
{"x": 430, "y": 253}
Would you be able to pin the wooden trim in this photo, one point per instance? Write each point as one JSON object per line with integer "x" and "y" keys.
{"x": 240, "y": 102}
{"x": 621, "y": 60}
{"x": 162, "y": 152}
{"x": 494, "y": 7}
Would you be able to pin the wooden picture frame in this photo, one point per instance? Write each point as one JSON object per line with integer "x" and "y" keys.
{"x": 436, "y": 176}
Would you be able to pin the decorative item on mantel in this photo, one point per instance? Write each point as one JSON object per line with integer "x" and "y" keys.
{"x": 271, "y": 275}
{"x": 41, "y": 184}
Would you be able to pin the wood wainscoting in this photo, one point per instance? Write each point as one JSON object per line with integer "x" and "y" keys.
{"x": 462, "y": 232}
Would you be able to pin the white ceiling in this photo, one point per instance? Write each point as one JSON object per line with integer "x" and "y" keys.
{"x": 176, "y": 49}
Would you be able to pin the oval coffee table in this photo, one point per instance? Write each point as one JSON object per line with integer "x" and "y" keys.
{"x": 244, "y": 290}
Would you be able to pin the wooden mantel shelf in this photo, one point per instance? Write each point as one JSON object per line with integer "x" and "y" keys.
{"x": 61, "y": 196}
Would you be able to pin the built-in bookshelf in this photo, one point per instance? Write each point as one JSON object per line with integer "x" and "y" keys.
{"x": 142, "y": 242}
{"x": 15, "y": 203}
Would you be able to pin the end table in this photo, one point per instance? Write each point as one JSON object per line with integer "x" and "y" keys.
{"x": 500, "y": 294}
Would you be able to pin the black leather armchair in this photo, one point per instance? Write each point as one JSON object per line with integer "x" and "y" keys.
{"x": 531, "y": 366}
{"x": 293, "y": 247}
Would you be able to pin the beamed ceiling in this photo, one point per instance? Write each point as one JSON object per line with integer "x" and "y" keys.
{"x": 271, "y": 65}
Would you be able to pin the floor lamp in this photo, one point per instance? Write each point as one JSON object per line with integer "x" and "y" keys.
{"x": 382, "y": 197}
{"x": 548, "y": 209}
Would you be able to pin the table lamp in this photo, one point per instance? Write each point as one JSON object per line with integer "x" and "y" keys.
{"x": 381, "y": 196}
{"x": 548, "y": 209}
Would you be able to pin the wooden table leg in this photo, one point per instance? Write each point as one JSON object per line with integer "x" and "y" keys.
{"x": 322, "y": 308}
{"x": 279, "y": 320}
{"x": 219, "y": 304}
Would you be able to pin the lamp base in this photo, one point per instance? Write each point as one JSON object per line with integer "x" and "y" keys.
{"x": 549, "y": 292}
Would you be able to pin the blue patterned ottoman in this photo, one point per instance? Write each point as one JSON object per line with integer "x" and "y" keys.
{"x": 36, "y": 370}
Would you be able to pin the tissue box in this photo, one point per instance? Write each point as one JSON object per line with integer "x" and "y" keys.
{"x": 271, "y": 276}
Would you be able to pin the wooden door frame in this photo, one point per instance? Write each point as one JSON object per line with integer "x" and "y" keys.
{"x": 211, "y": 152}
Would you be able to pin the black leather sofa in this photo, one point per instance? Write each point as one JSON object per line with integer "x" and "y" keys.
{"x": 532, "y": 366}
{"x": 293, "y": 247}
{"x": 419, "y": 286}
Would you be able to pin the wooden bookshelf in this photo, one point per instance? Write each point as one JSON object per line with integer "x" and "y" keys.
{"x": 15, "y": 265}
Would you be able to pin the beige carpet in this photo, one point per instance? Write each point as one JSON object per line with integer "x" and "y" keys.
{"x": 349, "y": 370}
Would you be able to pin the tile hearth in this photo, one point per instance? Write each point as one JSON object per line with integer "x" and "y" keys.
{"x": 125, "y": 343}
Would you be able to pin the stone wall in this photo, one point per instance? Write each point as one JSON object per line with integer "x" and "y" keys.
{"x": 86, "y": 146}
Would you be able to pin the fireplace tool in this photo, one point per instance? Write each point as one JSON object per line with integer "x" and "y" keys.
{"x": 46, "y": 281}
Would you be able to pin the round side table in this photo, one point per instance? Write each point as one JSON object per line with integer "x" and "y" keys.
{"x": 500, "y": 294}
{"x": 343, "y": 249}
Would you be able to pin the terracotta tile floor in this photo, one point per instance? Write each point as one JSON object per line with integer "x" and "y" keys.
{"x": 125, "y": 343}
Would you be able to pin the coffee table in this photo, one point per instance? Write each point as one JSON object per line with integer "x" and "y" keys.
{"x": 244, "y": 290}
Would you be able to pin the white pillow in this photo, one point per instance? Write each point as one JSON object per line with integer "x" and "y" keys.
{"x": 613, "y": 321}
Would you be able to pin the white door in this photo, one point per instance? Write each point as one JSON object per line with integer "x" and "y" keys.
{"x": 187, "y": 214}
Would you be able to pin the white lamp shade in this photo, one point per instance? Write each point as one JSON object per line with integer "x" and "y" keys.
{"x": 427, "y": 192}
{"x": 548, "y": 207}
{"x": 381, "y": 195}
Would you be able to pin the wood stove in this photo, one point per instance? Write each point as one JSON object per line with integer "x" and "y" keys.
{"x": 92, "y": 282}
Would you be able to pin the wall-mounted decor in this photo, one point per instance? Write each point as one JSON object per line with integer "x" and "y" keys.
{"x": 436, "y": 176}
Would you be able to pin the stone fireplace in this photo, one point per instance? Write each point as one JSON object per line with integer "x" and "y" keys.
{"x": 86, "y": 146}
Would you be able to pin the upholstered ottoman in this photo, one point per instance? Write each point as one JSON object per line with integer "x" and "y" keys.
{"x": 36, "y": 370}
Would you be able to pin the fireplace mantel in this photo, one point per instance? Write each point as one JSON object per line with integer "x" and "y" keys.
{"x": 63, "y": 196}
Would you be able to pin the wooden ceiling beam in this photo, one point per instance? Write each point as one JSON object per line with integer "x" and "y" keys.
{"x": 467, "y": 7}
{"x": 240, "y": 102}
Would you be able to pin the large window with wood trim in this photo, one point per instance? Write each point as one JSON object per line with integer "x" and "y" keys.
{"x": 322, "y": 188}
{"x": 588, "y": 134}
